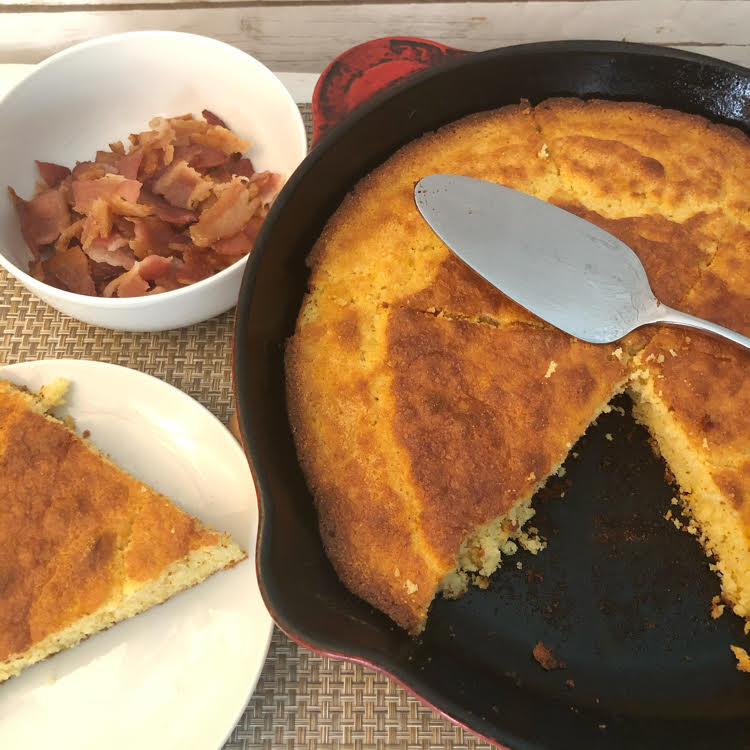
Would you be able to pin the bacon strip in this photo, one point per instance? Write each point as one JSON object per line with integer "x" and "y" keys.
{"x": 111, "y": 188}
{"x": 182, "y": 185}
{"x": 72, "y": 269}
{"x": 42, "y": 218}
{"x": 233, "y": 209}
{"x": 113, "y": 250}
{"x": 135, "y": 282}
{"x": 52, "y": 174}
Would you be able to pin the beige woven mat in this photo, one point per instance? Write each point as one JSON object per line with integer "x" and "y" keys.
{"x": 302, "y": 700}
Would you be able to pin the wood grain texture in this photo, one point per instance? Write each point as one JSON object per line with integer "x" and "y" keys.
{"x": 306, "y": 36}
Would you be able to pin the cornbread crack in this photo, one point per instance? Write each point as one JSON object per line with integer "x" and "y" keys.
{"x": 83, "y": 545}
{"x": 425, "y": 405}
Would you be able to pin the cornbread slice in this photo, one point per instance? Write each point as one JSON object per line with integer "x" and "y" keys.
{"x": 83, "y": 544}
{"x": 693, "y": 396}
{"x": 403, "y": 420}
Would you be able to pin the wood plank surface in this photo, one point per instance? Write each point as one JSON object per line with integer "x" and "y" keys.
{"x": 305, "y": 36}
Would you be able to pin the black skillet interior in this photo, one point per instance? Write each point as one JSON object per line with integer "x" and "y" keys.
{"x": 620, "y": 594}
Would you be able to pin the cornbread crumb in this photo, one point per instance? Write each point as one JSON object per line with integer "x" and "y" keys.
{"x": 551, "y": 369}
{"x": 717, "y": 608}
{"x": 743, "y": 658}
{"x": 542, "y": 653}
{"x": 609, "y": 436}
{"x": 673, "y": 352}
{"x": 618, "y": 353}
{"x": 543, "y": 152}
{"x": 660, "y": 359}
{"x": 410, "y": 586}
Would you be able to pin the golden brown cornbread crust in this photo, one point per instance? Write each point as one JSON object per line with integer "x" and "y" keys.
{"x": 425, "y": 404}
{"x": 80, "y": 538}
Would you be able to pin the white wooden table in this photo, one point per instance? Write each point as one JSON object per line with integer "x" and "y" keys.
{"x": 301, "y": 700}
{"x": 304, "y": 35}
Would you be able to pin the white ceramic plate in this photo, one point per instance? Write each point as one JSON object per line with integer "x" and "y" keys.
{"x": 179, "y": 675}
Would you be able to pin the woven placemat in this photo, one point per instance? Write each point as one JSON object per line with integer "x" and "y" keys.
{"x": 302, "y": 700}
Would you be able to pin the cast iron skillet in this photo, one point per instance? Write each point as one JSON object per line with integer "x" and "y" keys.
{"x": 621, "y": 595}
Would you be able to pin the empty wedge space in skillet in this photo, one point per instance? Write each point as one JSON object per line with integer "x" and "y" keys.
{"x": 403, "y": 419}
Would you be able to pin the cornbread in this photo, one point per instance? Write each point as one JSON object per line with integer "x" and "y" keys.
{"x": 83, "y": 544}
{"x": 427, "y": 408}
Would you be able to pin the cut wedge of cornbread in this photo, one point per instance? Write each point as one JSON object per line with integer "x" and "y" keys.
{"x": 83, "y": 544}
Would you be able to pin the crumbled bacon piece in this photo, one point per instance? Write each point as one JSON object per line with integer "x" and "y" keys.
{"x": 129, "y": 164}
{"x": 238, "y": 244}
{"x": 111, "y": 188}
{"x": 113, "y": 250}
{"x": 167, "y": 212}
{"x": 235, "y": 206}
{"x": 72, "y": 269}
{"x": 52, "y": 174}
{"x": 182, "y": 186}
{"x": 43, "y": 218}
{"x": 135, "y": 282}
{"x": 175, "y": 205}
{"x": 212, "y": 119}
{"x": 200, "y": 157}
{"x": 152, "y": 236}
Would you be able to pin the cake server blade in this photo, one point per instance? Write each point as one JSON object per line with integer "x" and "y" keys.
{"x": 558, "y": 266}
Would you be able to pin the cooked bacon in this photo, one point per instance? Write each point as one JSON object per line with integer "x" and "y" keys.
{"x": 238, "y": 244}
{"x": 200, "y": 157}
{"x": 174, "y": 205}
{"x": 135, "y": 282}
{"x": 128, "y": 164}
{"x": 212, "y": 119}
{"x": 221, "y": 138}
{"x": 107, "y": 159}
{"x": 165, "y": 211}
{"x": 252, "y": 228}
{"x": 242, "y": 167}
{"x": 97, "y": 222}
{"x": 111, "y": 188}
{"x": 182, "y": 185}
{"x": 52, "y": 174}
{"x": 269, "y": 184}
{"x": 88, "y": 170}
{"x": 72, "y": 269}
{"x": 197, "y": 266}
{"x": 67, "y": 235}
{"x": 42, "y": 218}
{"x": 152, "y": 236}
{"x": 233, "y": 209}
{"x": 113, "y": 250}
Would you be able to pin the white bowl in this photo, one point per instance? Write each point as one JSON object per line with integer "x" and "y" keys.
{"x": 82, "y": 99}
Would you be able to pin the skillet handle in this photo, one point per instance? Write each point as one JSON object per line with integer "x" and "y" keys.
{"x": 365, "y": 70}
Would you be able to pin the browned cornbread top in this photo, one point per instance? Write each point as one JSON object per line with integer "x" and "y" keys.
{"x": 475, "y": 446}
{"x": 74, "y": 529}
{"x": 423, "y": 401}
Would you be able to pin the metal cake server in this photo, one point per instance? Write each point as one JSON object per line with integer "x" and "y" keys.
{"x": 560, "y": 267}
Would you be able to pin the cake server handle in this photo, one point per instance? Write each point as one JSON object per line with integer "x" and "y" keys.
{"x": 670, "y": 315}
